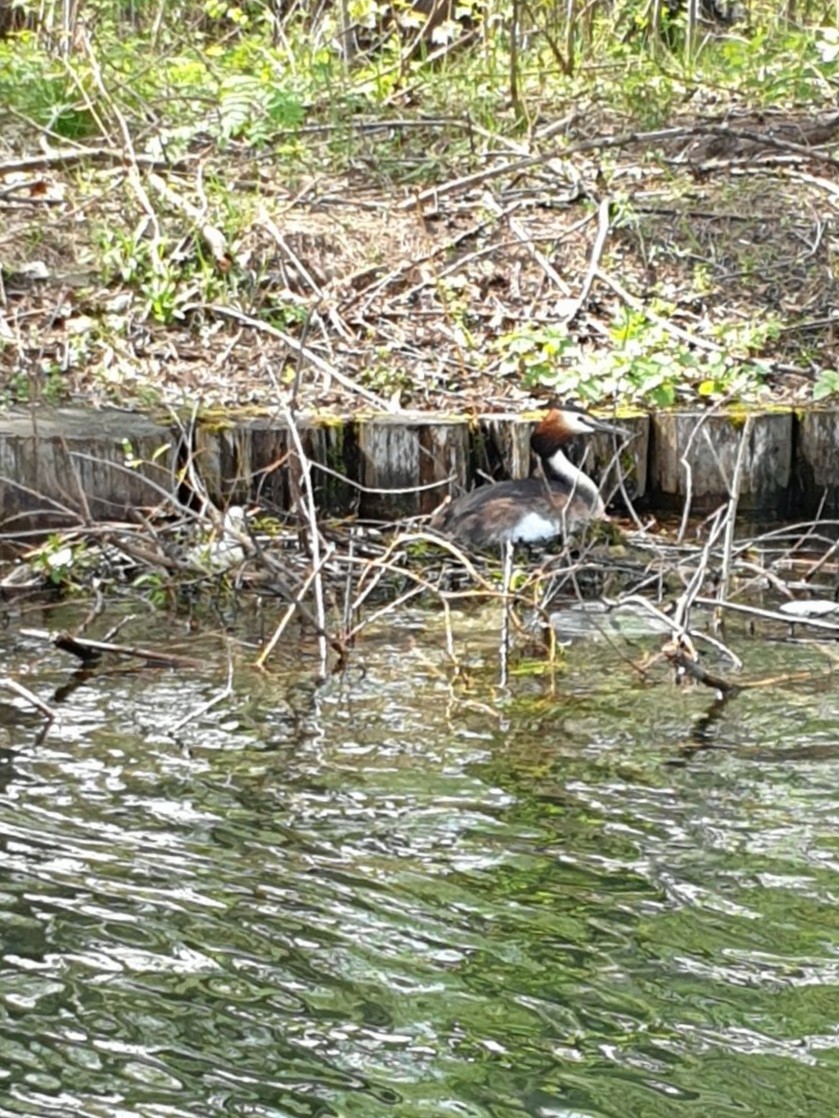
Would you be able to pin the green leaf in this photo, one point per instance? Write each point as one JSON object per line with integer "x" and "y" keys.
{"x": 826, "y": 385}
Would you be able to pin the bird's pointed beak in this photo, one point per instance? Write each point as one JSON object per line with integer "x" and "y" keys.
{"x": 609, "y": 428}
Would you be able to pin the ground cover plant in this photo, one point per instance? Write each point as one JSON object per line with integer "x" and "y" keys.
{"x": 417, "y": 205}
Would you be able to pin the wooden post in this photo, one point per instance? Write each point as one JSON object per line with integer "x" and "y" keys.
{"x": 615, "y": 464}
{"x": 412, "y": 462}
{"x": 56, "y": 463}
{"x": 817, "y": 461}
{"x": 693, "y": 455}
{"x": 502, "y": 446}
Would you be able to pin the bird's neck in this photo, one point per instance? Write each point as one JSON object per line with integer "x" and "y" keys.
{"x": 559, "y": 468}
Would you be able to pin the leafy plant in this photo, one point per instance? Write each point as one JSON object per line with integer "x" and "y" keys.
{"x": 826, "y": 384}
{"x": 58, "y": 561}
{"x": 648, "y": 363}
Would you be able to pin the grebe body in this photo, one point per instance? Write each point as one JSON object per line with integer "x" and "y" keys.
{"x": 535, "y": 509}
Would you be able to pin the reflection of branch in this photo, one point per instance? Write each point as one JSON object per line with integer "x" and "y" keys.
{"x": 219, "y": 697}
{"x": 702, "y": 734}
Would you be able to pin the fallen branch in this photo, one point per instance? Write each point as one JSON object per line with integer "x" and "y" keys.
{"x": 72, "y": 157}
{"x": 29, "y": 696}
{"x": 225, "y": 693}
{"x": 89, "y": 651}
{"x": 769, "y": 615}
{"x": 603, "y": 225}
{"x": 687, "y": 662}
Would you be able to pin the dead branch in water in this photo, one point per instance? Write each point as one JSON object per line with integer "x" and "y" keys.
{"x": 685, "y": 660}
{"x": 90, "y": 651}
{"x": 9, "y": 684}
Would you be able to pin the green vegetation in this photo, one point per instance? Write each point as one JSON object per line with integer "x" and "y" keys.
{"x": 222, "y": 171}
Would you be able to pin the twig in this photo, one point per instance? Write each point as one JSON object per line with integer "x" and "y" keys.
{"x": 684, "y": 459}
{"x": 677, "y": 629}
{"x": 603, "y": 225}
{"x": 294, "y": 605}
{"x": 130, "y": 156}
{"x": 314, "y": 539}
{"x": 686, "y": 601}
{"x": 29, "y": 696}
{"x": 89, "y": 651}
{"x": 317, "y": 362}
{"x": 264, "y": 219}
{"x": 733, "y": 501}
{"x": 770, "y": 615}
{"x": 504, "y": 643}
{"x": 599, "y": 143}
{"x": 72, "y": 157}
{"x": 526, "y": 241}
{"x": 516, "y": 166}
{"x": 424, "y": 488}
{"x": 687, "y": 663}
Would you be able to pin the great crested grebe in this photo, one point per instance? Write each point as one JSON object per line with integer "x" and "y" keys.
{"x": 534, "y": 509}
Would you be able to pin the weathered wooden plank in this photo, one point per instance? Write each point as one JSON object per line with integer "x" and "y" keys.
{"x": 502, "y": 446}
{"x": 254, "y": 458}
{"x": 617, "y": 463}
{"x": 222, "y": 452}
{"x": 502, "y": 450}
{"x": 58, "y": 464}
{"x": 816, "y": 480}
{"x": 409, "y": 463}
{"x": 694, "y": 454}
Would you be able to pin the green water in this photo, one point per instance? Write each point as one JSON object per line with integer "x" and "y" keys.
{"x": 403, "y": 895}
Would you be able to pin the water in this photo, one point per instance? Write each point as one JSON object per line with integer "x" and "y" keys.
{"x": 405, "y": 895}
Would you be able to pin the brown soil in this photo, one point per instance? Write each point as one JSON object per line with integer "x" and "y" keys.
{"x": 402, "y": 297}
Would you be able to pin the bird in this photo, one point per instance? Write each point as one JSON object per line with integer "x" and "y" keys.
{"x": 224, "y": 549}
{"x": 536, "y": 509}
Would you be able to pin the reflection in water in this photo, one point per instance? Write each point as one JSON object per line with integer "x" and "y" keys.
{"x": 368, "y": 899}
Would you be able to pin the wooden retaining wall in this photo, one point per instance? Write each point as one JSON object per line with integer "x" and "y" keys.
{"x": 59, "y": 464}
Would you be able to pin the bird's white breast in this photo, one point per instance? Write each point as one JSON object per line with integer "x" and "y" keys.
{"x": 532, "y": 528}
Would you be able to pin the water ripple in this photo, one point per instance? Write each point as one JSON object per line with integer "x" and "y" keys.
{"x": 388, "y": 898}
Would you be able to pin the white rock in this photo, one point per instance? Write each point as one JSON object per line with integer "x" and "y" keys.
{"x": 815, "y": 607}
